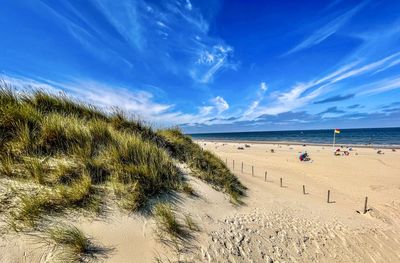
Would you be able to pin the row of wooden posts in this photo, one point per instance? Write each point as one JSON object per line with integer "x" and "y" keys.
{"x": 281, "y": 184}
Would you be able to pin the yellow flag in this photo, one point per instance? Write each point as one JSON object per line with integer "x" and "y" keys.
{"x": 337, "y": 131}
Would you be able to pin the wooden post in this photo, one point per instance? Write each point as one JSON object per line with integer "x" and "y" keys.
{"x": 242, "y": 167}
{"x": 265, "y": 176}
{"x": 365, "y": 205}
{"x": 233, "y": 164}
{"x": 281, "y": 181}
{"x": 304, "y": 189}
{"x": 329, "y": 194}
{"x": 252, "y": 170}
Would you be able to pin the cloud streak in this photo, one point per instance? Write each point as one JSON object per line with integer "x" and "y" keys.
{"x": 302, "y": 94}
{"x": 380, "y": 86}
{"x": 136, "y": 103}
{"x": 326, "y": 31}
{"x": 170, "y": 34}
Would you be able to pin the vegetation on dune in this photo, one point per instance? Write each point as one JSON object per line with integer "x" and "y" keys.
{"x": 205, "y": 164}
{"x": 174, "y": 230}
{"x": 72, "y": 151}
{"x": 78, "y": 194}
{"x": 72, "y": 241}
{"x": 70, "y": 236}
{"x": 167, "y": 221}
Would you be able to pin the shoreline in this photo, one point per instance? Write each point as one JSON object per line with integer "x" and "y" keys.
{"x": 373, "y": 146}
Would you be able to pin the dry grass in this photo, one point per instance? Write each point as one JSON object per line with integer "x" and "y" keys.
{"x": 188, "y": 189}
{"x": 71, "y": 243}
{"x": 69, "y": 236}
{"x": 167, "y": 221}
{"x": 71, "y": 151}
{"x": 55, "y": 199}
{"x": 206, "y": 165}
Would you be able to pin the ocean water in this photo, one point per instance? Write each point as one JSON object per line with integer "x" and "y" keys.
{"x": 370, "y": 136}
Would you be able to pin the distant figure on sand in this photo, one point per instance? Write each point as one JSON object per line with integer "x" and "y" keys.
{"x": 304, "y": 157}
{"x": 338, "y": 152}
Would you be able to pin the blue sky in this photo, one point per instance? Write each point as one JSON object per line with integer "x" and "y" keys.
{"x": 213, "y": 66}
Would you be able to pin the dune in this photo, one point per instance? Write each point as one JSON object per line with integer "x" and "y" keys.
{"x": 158, "y": 196}
{"x": 64, "y": 163}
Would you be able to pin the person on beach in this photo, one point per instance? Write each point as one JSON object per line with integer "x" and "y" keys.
{"x": 304, "y": 157}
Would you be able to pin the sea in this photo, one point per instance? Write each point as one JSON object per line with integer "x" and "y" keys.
{"x": 389, "y": 137}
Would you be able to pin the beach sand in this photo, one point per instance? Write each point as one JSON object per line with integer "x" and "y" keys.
{"x": 284, "y": 224}
{"x": 275, "y": 224}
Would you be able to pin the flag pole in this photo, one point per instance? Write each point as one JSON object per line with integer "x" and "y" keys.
{"x": 334, "y": 137}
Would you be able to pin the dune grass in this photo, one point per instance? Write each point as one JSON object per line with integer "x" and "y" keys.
{"x": 69, "y": 236}
{"x": 167, "y": 221}
{"x": 206, "y": 165}
{"x": 72, "y": 242}
{"x": 54, "y": 199}
{"x": 70, "y": 150}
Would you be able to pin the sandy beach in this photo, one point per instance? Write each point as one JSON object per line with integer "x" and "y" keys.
{"x": 290, "y": 143}
{"x": 275, "y": 224}
{"x": 304, "y": 226}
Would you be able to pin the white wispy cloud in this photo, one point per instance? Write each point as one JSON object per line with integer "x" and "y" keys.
{"x": 203, "y": 55}
{"x": 211, "y": 61}
{"x": 214, "y": 108}
{"x": 250, "y": 111}
{"x": 137, "y": 103}
{"x": 205, "y": 110}
{"x": 380, "y": 65}
{"x": 139, "y": 33}
{"x": 211, "y": 71}
{"x": 380, "y": 86}
{"x": 332, "y": 4}
{"x": 91, "y": 38}
{"x": 263, "y": 86}
{"x": 326, "y": 31}
{"x": 124, "y": 17}
{"x": 389, "y": 65}
{"x": 188, "y": 5}
{"x": 287, "y": 101}
{"x": 220, "y": 103}
{"x": 161, "y": 24}
{"x": 302, "y": 94}
{"x": 107, "y": 97}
